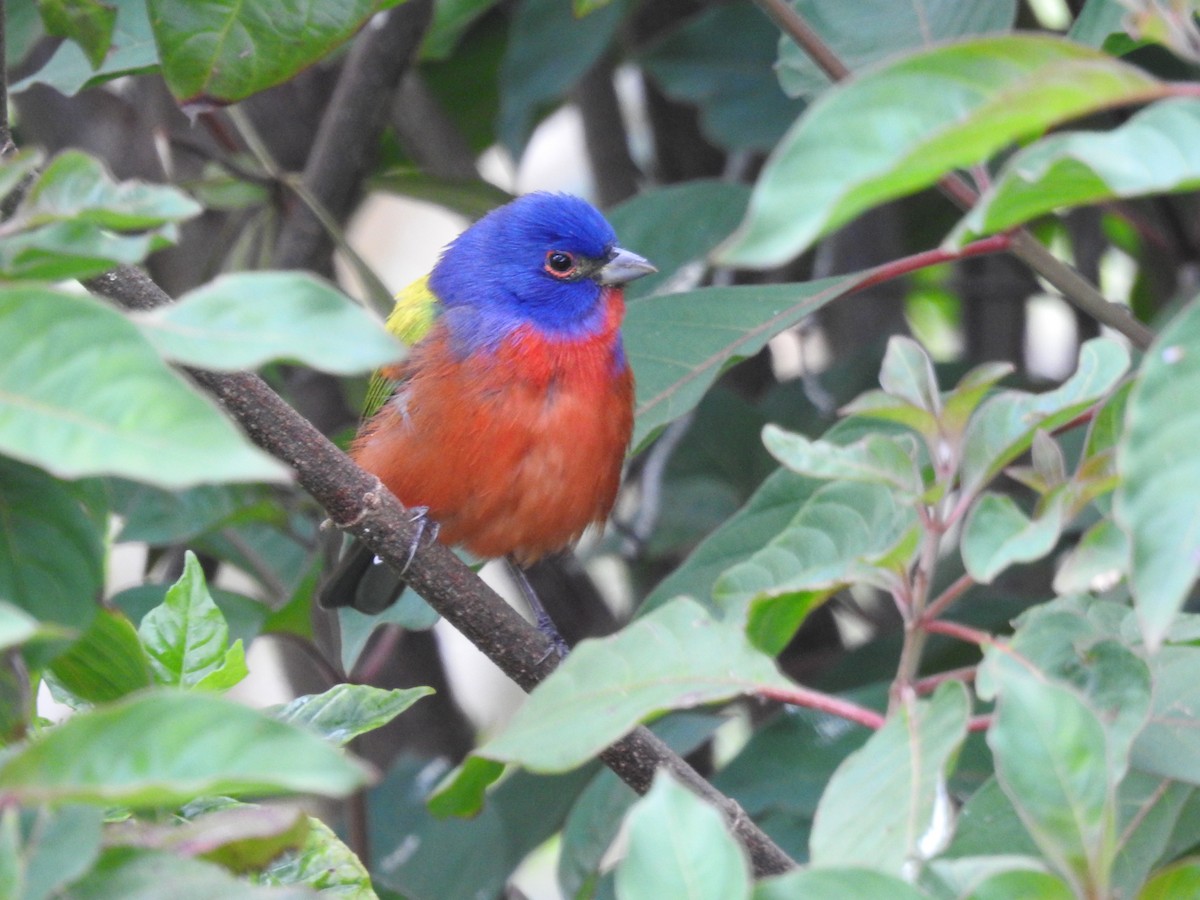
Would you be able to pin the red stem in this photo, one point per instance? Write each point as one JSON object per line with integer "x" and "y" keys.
{"x": 996, "y": 243}
{"x": 962, "y": 632}
{"x": 806, "y": 697}
{"x": 948, "y": 596}
{"x": 929, "y": 683}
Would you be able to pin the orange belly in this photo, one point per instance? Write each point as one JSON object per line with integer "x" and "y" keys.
{"x": 514, "y": 452}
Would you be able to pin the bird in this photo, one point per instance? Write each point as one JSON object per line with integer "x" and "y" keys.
{"x": 507, "y": 424}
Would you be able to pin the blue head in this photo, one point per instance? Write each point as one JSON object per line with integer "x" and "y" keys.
{"x": 543, "y": 260}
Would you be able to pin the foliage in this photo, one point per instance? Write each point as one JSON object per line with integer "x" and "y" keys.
{"x": 940, "y": 644}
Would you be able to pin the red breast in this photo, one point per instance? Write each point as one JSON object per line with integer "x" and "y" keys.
{"x": 515, "y": 450}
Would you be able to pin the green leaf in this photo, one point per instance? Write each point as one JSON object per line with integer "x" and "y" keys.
{"x": 89, "y": 23}
{"x": 1071, "y": 641}
{"x": 843, "y": 884}
{"x": 75, "y": 249}
{"x": 680, "y": 847}
{"x": 160, "y": 518}
{"x": 51, "y": 554}
{"x": 1155, "y": 152}
{"x": 876, "y": 459}
{"x": 729, "y": 82}
{"x": 16, "y": 626}
{"x": 1023, "y": 883}
{"x": 1179, "y": 880}
{"x": 58, "y": 845}
{"x": 997, "y": 534}
{"x": 676, "y": 657}
{"x": 345, "y": 711}
{"x": 1097, "y": 21}
{"x": 82, "y": 393}
{"x": 548, "y": 51}
{"x": 902, "y": 126}
{"x": 75, "y": 186}
{"x": 1003, "y": 427}
{"x": 1169, "y": 745}
{"x": 886, "y": 804}
{"x": 72, "y": 221}
{"x": 241, "y": 837}
{"x": 676, "y": 226}
{"x": 131, "y": 52}
{"x": 679, "y": 343}
{"x": 764, "y": 516}
{"x": 1101, "y": 556}
{"x": 322, "y": 864}
{"x": 134, "y": 874}
{"x": 865, "y": 32}
{"x": 1159, "y": 491}
{"x": 188, "y": 744}
{"x": 244, "y": 320}
{"x": 464, "y": 791}
{"x": 220, "y": 53}
{"x": 964, "y": 399}
{"x": 1150, "y": 809}
{"x": 187, "y": 638}
{"x": 410, "y": 611}
{"x": 451, "y": 18}
{"x": 1050, "y": 750}
{"x": 106, "y": 663}
{"x": 907, "y": 374}
{"x": 843, "y": 533}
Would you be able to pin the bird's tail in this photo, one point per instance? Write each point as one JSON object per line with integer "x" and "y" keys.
{"x": 362, "y": 581}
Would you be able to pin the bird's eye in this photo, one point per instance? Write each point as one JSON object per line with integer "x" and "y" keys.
{"x": 560, "y": 264}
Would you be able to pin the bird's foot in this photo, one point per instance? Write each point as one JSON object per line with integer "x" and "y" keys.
{"x": 427, "y": 532}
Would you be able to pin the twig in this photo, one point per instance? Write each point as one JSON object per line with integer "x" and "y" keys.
{"x": 938, "y": 606}
{"x": 7, "y": 147}
{"x": 1074, "y": 287}
{"x": 996, "y": 243}
{"x": 930, "y": 683}
{"x": 962, "y": 632}
{"x": 352, "y": 496}
{"x": 827, "y": 703}
{"x": 348, "y": 135}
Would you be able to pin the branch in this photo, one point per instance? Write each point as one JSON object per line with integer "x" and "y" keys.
{"x": 358, "y": 503}
{"x": 346, "y": 140}
{"x": 7, "y": 147}
{"x": 826, "y": 703}
{"x": 1076, "y": 289}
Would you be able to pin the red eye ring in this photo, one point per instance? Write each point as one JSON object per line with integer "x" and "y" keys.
{"x": 560, "y": 264}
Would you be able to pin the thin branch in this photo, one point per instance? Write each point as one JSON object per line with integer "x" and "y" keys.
{"x": 939, "y": 605}
{"x": 348, "y": 135}
{"x": 930, "y": 683}
{"x": 1074, "y": 287}
{"x": 962, "y": 632}
{"x": 826, "y": 703}
{"x": 358, "y": 502}
{"x": 7, "y": 147}
{"x": 996, "y": 243}
{"x": 794, "y": 26}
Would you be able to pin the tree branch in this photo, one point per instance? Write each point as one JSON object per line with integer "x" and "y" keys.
{"x": 359, "y": 503}
{"x": 349, "y": 132}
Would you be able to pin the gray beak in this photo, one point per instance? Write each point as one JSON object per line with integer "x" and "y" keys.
{"x": 623, "y": 266}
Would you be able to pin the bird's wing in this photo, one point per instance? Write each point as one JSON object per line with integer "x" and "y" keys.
{"x": 410, "y": 320}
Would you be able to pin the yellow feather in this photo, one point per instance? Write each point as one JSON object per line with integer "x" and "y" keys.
{"x": 410, "y": 320}
{"x": 412, "y": 316}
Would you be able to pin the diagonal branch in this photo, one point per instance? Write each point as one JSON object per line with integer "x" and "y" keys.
{"x": 358, "y": 503}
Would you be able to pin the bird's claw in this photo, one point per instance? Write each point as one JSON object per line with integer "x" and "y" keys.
{"x": 427, "y": 531}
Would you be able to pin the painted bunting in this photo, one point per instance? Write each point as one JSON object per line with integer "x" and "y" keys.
{"x": 509, "y": 420}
